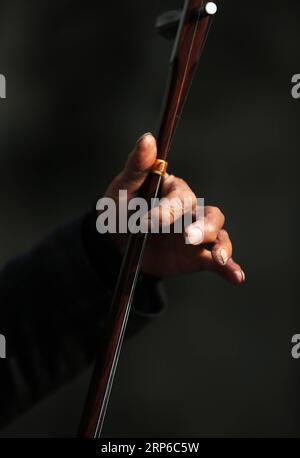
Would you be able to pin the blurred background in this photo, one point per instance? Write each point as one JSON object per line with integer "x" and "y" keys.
{"x": 84, "y": 80}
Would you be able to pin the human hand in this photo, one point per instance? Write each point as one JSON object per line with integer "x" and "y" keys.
{"x": 169, "y": 254}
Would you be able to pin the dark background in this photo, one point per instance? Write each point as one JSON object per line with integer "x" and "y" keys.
{"x": 84, "y": 80}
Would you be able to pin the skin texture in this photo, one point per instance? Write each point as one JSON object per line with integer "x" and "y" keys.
{"x": 209, "y": 248}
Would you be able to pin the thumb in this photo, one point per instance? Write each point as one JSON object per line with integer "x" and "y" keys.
{"x": 137, "y": 167}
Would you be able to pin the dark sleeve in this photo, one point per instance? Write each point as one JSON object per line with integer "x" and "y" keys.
{"x": 53, "y": 304}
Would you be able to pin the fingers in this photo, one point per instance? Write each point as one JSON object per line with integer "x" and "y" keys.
{"x": 137, "y": 166}
{"x": 218, "y": 259}
{"x": 222, "y": 262}
{"x": 213, "y": 222}
{"x": 177, "y": 199}
{"x": 231, "y": 272}
{"x": 222, "y": 248}
{"x": 208, "y": 229}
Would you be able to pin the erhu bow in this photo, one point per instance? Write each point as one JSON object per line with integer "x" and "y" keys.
{"x": 192, "y": 26}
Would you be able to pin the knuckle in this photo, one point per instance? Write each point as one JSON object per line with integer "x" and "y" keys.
{"x": 211, "y": 231}
{"x": 189, "y": 194}
{"x": 216, "y": 212}
{"x": 176, "y": 202}
{"x": 224, "y": 234}
{"x": 212, "y": 209}
{"x": 180, "y": 184}
{"x": 190, "y": 201}
{"x": 178, "y": 180}
{"x": 172, "y": 213}
{"x": 183, "y": 190}
{"x": 175, "y": 207}
{"x": 171, "y": 178}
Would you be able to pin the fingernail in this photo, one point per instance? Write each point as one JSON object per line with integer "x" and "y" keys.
{"x": 223, "y": 256}
{"x": 241, "y": 275}
{"x": 194, "y": 236}
{"x": 143, "y": 136}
